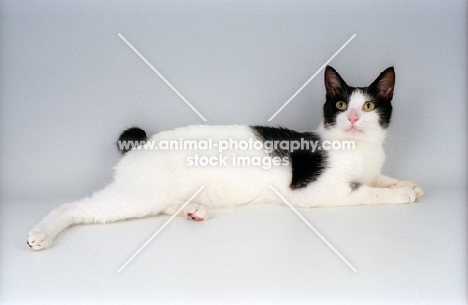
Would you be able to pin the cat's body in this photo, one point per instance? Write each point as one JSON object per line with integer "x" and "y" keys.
{"x": 149, "y": 182}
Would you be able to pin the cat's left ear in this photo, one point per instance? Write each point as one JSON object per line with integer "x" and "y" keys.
{"x": 384, "y": 84}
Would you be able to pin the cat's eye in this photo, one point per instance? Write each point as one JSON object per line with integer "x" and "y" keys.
{"x": 368, "y": 106}
{"x": 341, "y": 105}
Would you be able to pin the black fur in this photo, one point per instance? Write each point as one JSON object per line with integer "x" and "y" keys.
{"x": 382, "y": 100}
{"x": 354, "y": 186}
{"x": 134, "y": 135}
{"x": 306, "y": 165}
{"x": 338, "y": 90}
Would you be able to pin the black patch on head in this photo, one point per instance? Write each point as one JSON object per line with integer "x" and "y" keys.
{"x": 354, "y": 186}
{"x": 337, "y": 90}
{"x": 133, "y": 137}
{"x": 306, "y": 164}
{"x": 380, "y": 93}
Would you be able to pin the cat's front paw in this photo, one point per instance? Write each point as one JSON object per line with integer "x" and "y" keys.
{"x": 196, "y": 212}
{"x": 404, "y": 195}
{"x": 38, "y": 239}
{"x": 400, "y": 184}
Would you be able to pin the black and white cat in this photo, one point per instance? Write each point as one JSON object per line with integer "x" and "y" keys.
{"x": 150, "y": 181}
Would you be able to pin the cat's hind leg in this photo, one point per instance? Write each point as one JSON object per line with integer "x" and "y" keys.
{"x": 108, "y": 205}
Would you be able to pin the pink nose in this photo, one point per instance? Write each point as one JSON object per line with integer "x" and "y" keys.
{"x": 353, "y": 118}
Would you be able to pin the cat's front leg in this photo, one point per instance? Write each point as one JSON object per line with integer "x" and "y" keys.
{"x": 388, "y": 182}
{"x": 363, "y": 194}
{"x": 354, "y": 193}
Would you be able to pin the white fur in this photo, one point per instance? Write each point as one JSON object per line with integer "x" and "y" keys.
{"x": 151, "y": 182}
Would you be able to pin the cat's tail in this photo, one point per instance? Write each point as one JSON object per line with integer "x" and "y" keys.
{"x": 130, "y": 139}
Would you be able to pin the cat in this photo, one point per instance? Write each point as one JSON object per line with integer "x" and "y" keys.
{"x": 149, "y": 181}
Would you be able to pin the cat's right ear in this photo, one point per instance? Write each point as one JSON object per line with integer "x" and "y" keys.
{"x": 333, "y": 82}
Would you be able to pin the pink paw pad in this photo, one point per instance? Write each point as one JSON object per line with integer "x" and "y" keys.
{"x": 194, "y": 217}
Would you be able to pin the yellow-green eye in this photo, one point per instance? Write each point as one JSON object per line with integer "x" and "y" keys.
{"x": 368, "y": 106}
{"x": 341, "y": 105}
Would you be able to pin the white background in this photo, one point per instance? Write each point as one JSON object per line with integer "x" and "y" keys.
{"x": 69, "y": 85}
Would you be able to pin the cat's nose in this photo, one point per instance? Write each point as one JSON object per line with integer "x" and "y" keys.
{"x": 353, "y": 118}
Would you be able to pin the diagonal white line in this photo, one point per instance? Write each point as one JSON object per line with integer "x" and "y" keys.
{"x": 160, "y": 229}
{"x": 310, "y": 79}
{"x": 162, "y": 77}
{"x": 313, "y": 229}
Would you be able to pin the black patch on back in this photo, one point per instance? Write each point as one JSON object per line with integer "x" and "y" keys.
{"x": 306, "y": 164}
{"x": 133, "y": 137}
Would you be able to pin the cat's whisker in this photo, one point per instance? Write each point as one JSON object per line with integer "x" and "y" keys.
{"x": 393, "y": 135}
{"x": 390, "y": 148}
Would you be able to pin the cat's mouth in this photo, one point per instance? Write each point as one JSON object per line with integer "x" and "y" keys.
{"x": 353, "y": 129}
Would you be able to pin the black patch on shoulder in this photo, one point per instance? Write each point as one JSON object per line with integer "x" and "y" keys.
{"x": 131, "y": 138}
{"x": 354, "y": 186}
{"x": 306, "y": 164}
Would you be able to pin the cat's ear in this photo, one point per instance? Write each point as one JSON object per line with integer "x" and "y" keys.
{"x": 333, "y": 82}
{"x": 384, "y": 84}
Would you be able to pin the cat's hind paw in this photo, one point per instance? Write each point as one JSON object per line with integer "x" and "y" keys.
{"x": 38, "y": 239}
{"x": 195, "y": 212}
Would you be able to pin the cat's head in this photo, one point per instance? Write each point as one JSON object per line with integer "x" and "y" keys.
{"x": 357, "y": 113}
